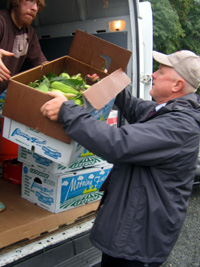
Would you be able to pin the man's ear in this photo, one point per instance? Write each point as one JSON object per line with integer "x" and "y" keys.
{"x": 178, "y": 85}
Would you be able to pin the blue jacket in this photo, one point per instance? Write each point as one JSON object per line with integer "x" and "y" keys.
{"x": 154, "y": 166}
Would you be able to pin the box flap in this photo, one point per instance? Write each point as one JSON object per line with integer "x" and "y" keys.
{"x": 93, "y": 51}
{"x": 108, "y": 88}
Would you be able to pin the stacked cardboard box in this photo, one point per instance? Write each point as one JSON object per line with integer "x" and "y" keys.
{"x": 58, "y": 188}
{"x": 58, "y": 173}
{"x": 59, "y": 192}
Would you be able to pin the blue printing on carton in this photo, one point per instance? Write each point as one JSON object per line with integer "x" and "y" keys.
{"x": 86, "y": 185}
{"x": 42, "y": 160}
{"x": 47, "y": 200}
{"x": 43, "y": 194}
{"x": 47, "y": 150}
{"x": 86, "y": 160}
{"x": 33, "y": 140}
{"x": 82, "y": 184}
{"x": 42, "y": 189}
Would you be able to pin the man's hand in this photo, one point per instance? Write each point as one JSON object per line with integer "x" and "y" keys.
{"x": 94, "y": 77}
{"x": 4, "y": 72}
{"x": 51, "y": 108}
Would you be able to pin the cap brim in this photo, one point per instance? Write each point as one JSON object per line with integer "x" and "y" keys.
{"x": 162, "y": 58}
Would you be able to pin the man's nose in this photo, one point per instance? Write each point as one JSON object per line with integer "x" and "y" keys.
{"x": 35, "y": 6}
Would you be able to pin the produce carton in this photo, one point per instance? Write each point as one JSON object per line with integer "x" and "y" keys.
{"x": 61, "y": 192}
{"x": 29, "y": 128}
{"x": 53, "y": 150}
{"x": 85, "y": 160}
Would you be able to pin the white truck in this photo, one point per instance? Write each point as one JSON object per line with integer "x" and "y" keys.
{"x": 68, "y": 244}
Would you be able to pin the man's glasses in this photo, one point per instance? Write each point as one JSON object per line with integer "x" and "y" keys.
{"x": 33, "y": 2}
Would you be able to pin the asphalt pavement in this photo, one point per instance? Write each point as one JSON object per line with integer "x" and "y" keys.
{"x": 186, "y": 252}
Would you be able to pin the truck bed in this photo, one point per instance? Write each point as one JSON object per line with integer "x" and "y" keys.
{"x": 27, "y": 229}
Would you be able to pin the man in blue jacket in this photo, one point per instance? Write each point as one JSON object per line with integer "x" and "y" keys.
{"x": 154, "y": 159}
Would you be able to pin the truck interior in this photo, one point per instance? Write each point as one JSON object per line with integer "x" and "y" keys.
{"x": 57, "y": 23}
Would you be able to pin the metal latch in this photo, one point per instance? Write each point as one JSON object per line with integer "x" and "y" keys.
{"x": 145, "y": 78}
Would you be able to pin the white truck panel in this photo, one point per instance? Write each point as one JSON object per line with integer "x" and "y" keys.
{"x": 146, "y": 46}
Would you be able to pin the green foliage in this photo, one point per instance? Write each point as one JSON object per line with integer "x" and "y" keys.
{"x": 176, "y": 25}
{"x": 182, "y": 8}
{"x": 198, "y": 91}
{"x": 191, "y": 26}
{"x": 167, "y": 29}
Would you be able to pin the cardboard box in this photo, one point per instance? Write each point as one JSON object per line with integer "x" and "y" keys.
{"x": 41, "y": 144}
{"x": 68, "y": 155}
{"x": 23, "y": 220}
{"x": 61, "y": 192}
{"x": 29, "y": 128}
{"x": 23, "y": 103}
{"x": 84, "y": 160}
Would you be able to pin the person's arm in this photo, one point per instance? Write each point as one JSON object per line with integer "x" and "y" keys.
{"x": 132, "y": 108}
{"x": 137, "y": 143}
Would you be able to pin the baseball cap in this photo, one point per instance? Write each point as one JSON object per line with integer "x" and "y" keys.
{"x": 185, "y": 63}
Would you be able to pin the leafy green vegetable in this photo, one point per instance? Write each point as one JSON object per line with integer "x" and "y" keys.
{"x": 72, "y": 88}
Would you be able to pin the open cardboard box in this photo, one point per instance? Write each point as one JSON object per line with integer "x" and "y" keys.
{"x": 22, "y": 104}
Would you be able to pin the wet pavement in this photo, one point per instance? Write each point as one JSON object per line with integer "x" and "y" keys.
{"x": 186, "y": 252}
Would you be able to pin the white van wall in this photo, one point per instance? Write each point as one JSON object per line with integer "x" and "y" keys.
{"x": 146, "y": 46}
